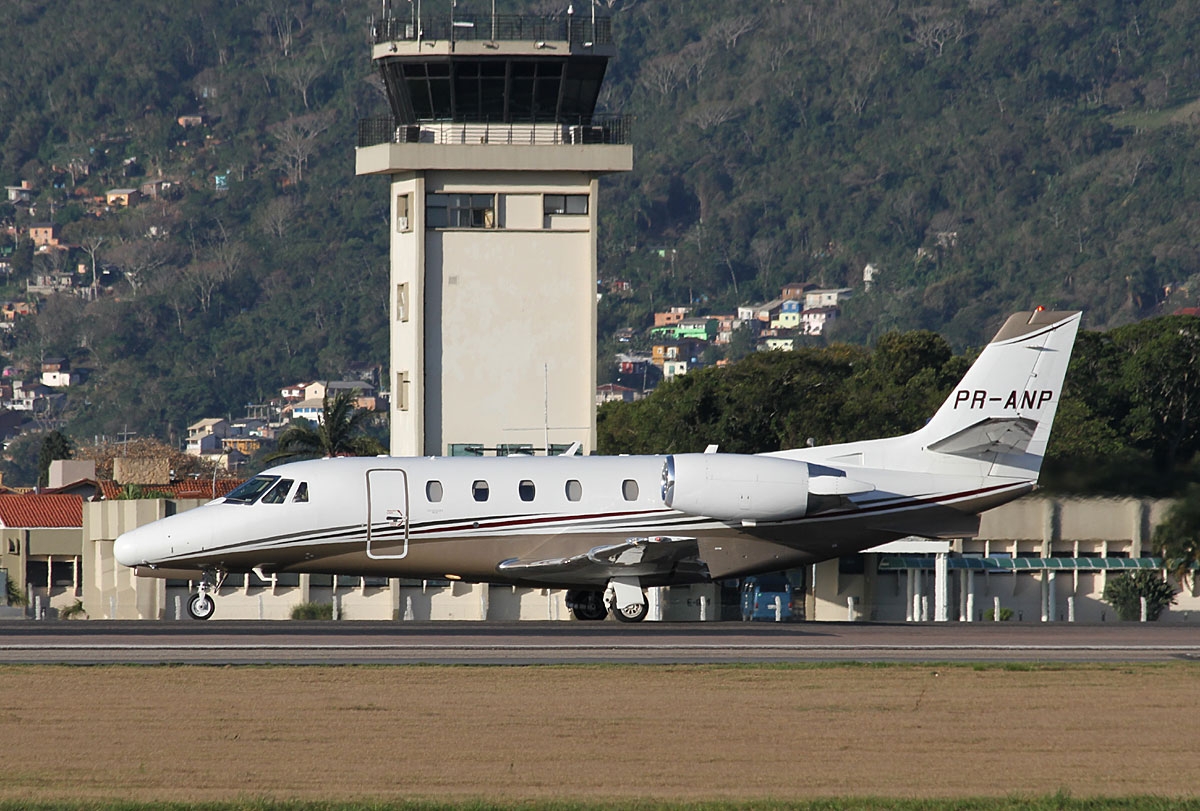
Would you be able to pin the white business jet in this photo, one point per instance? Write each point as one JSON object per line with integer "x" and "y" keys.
{"x": 606, "y": 528}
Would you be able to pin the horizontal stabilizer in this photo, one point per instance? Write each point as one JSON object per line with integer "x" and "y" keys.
{"x": 993, "y": 435}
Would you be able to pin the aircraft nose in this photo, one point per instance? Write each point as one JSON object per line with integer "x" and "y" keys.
{"x": 135, "y": 547}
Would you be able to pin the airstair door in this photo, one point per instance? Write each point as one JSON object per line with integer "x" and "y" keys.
{"x": 387, "y": 514}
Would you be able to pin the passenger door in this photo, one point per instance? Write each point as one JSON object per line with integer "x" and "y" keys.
{"x": 387, "y": 514}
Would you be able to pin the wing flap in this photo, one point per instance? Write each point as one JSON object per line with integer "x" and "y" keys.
{"x": 645, "y": 557}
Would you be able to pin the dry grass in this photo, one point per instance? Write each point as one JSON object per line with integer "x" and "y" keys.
{"x": 595, "y": 733}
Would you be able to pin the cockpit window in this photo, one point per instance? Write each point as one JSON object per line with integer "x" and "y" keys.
{"x": 278, "y": 494}
{"x": 301, "y": 493}
{"x": 252, "y": 490}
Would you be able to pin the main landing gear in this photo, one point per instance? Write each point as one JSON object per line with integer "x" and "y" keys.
{"x": 201, "y": 606}
{"x": 623, "y": 599}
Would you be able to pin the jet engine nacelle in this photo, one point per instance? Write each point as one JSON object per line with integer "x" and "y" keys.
{"x": 733, "y": 487}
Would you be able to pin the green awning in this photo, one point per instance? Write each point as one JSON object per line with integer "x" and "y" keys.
{"x": 892, "y": 563}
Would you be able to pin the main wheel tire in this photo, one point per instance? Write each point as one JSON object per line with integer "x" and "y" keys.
{"x": 201, "y": 606}
{"x": 587, "y": 605}
{"x": 631, "y": 613}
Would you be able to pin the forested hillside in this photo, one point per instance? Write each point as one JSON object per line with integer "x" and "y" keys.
{"x": 986, "y": 156}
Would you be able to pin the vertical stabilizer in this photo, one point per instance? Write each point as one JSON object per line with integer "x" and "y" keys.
{"x": 1000, "y": 413}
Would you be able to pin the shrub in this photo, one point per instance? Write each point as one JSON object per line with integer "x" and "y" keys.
{"x": 312, "y": 611}
{"x": 71, "y": 612}
{"x": 15, "y": 597}
{"x": 1005, "y": 614}
{"x": 1125, "y": 591}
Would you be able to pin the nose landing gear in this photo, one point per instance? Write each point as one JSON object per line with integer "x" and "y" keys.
{"x": 201, "y": 606}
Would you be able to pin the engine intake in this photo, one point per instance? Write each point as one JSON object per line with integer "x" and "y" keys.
{"x": 735, "y": 487}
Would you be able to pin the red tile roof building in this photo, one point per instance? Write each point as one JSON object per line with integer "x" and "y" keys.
{"x": 40, "y": 511}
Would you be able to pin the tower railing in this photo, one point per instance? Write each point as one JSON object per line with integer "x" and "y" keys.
{"x": 578, "y": 29}
{"x": 596, "y": 129}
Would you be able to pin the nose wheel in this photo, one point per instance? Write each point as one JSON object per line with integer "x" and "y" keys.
{"x": 201, "y": 606}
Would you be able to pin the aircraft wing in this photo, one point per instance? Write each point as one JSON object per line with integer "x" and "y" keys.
{"x": 647, "y": 557}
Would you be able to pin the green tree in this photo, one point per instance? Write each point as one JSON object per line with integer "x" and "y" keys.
{"x": 341, "y": 432}
{"x": 55, "y": 445}
{"x": 1177, "y": 538}
{"x": 1125, "y": 591}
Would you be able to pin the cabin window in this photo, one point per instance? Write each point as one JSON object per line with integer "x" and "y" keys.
{"x": 629, "y": 489}
{"x": 301, "y": 496}
{"x": 479, "y": 490}
{"x": 278, "y": 494}
{"x": 433, "y": 491}
{"x": 574, "y": 490}
{"x": 252, "y": 490}
{"x": 526, "y": 490}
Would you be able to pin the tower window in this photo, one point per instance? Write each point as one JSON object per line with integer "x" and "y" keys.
{"x": 565, "y": 204}
{"x": 460, "y": 210}
{"x": 402, "y": 301}
{"x": 403, "y": 223}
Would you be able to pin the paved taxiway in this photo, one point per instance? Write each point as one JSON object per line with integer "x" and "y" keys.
{"x": 102, "y": 642}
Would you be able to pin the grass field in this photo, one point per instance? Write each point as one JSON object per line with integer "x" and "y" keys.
{"x": 927, "y": 736}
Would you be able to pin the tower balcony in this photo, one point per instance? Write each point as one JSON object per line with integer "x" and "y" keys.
{"x": 598, "y": 144}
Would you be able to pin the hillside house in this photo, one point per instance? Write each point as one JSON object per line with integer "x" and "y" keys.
{"x": 56, "y": 373}
{"x": 44, "y": 236}
{"x": 782, "y": 343}
{"x": 204, "y": 436}
{"x": 312, "y": 409}
{"x": 796, "y": 290}
{"x": 812, "y": 322}
{"x": 20, "y": 194}
{"x": 11, "y": 310}
{"x": 671, "y": 317}
{"x": 632, "y": 364}
{"x": 122, "y": 198}
{"x": 789, "y": 314}
{"x": 830, "y": 297}
{"x": 294, "y": 393}
{"x": 616, "y": 393}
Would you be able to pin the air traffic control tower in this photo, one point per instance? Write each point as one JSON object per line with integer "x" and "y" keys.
{"x": 493, "y": 152}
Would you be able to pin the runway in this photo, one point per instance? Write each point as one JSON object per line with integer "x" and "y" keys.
{"x": 550, "y": 643}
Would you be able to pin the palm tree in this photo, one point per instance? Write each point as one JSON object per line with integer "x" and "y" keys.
{"x": 340, "y": 432}
{"x": 1178, "y": 536}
